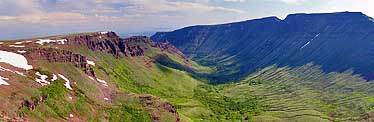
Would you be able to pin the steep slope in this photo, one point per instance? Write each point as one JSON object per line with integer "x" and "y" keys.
{"x": 336, "y": 41}
{"x": 93, "y": 77}
{"x": 101, "y": 77}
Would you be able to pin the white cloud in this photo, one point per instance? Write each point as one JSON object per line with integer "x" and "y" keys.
{"x": 234, "y": 0}
{"x": 53, "y": 18}
{"x": 292, "y": 1}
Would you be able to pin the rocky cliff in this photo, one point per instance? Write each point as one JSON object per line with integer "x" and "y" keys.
{"x": 336, "y": 41}
{"x": 56, "y": 55}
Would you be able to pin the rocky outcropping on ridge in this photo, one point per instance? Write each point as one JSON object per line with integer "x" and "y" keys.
{"x": 56, "y": 55}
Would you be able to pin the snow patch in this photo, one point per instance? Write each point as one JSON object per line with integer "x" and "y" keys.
{"x": 2, "y": 81}
{"x": 106, "y": 99}
{"x": 71, "y": 115}
{"x": 306, "y": 44}
{"x": 103, "y": 32}
{"x": 21, "y": 51}
{"x": 91, "y": 63}
{"x": 70, "y": 97}
{"x": 91, "y": 78}
{"x": 1, "y": 42}
{"x": 58, "y": 41}
{"x": 15, "y": 72}
{"x": 54, "y": 77}
{"x": 19, "y": 73}
{"x": 102, "y": 81}
{"x": 67, "y": 83}
{"x": 14, "y": 59}
{"x": 16, "y": 45}
{"x": 42, "y": 80}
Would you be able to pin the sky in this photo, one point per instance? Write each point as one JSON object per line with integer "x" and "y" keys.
{"x": 34, "y": 18}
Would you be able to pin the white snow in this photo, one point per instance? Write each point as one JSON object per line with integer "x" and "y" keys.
{"x": 70, "y": 97}
{"x": 21, "y": 51}
{"x": 58, "y": 41}
{"x": 2, "y": 81}
{"x": 67, "y": 83}
{"x": 1, "y": 42}
{"x": 106, "y": 99}
{"x": 14, "y": 59}
{"x": 102, "y": 81}
{"x": 15, "y": 72}
{"x": 5, "y": 69}
{"x": 19, "y": 73}
{"x": 42, "y": 80}
{"x": 71, "y": 115}
{"x": 54, "y": 77}
{"x": 16, "y": 45}
{"x": 306, "y": 44}
{"x": 91, "y": 78}
{"x": 21, "y": 42}
{"x": 103, "y": 32}
{"x": 91, "y": 63}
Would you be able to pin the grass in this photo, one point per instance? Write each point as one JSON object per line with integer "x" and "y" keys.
{"x": 126, "y": 113}
{"x": 303, "y": 93}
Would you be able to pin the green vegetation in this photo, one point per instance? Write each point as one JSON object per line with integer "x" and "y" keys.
{"x": 126, "y": 113}
{"x": 138, "y": 87}
{"x": 226, "y": 108}
{"x": 271, "y": 94}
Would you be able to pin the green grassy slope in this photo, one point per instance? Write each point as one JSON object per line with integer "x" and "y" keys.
{"x": 139, "y": 88}
{"x": 305, "y": 94}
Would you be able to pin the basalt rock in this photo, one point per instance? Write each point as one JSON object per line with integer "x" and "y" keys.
{"x": 31, "y": 105}
{"x": 167, "y": 46}
{"x": 153, "y": 102}
{"x": 109, "y": 42}
{"x": 105, "y": 42}
{"x": 56, "y": 55}
{"x": 170, "y": 108}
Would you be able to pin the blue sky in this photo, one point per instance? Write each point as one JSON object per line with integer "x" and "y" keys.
{"x": 30, "y": 18}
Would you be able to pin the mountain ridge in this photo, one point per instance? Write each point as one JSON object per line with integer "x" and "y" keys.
{"x": 298, "y": 39}
{"x": 137, "y": 79}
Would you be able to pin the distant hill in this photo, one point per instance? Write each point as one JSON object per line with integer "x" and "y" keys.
{"x": 336, "y": 41}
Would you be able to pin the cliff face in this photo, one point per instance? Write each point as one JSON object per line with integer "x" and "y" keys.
{"x": 167, "y": 46}
{"x": 109, "y": 42}
{"x": 336, "y": 41}
{"x": 56, "y": 55}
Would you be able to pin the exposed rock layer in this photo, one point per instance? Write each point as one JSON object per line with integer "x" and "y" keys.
{"x": 336, "y": 41}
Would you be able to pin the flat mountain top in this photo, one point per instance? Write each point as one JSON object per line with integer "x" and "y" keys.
{"x": 336, "y": 41}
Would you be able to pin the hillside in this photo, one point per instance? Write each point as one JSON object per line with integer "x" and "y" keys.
{"x": 99, "y": 77}
{"x": 92, "y": 77}
{"x": 335, "y": 41}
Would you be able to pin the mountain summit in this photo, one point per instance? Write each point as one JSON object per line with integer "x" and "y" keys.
{"x": 336, "y": 41}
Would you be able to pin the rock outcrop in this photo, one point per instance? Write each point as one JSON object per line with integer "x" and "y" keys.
{"x": 31, "y": 105}
{"x": 167, "y": 46}
{"x": 105, "y": 42}
{"x": 56, "y": 55}
{"x": 111, "y": 43}
{"x": 153, "y": 102}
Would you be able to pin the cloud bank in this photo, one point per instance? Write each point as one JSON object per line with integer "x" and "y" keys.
{"x": 28, "y": 18}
